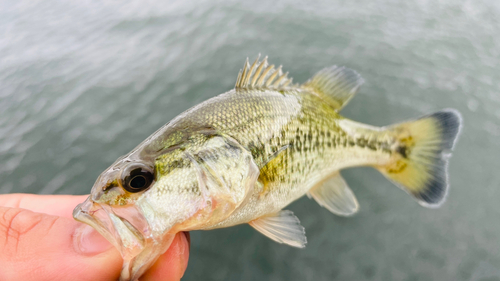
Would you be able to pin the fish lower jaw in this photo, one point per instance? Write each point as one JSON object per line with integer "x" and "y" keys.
{"x": 138, "y": 247}
{"x": 128, "y": 240}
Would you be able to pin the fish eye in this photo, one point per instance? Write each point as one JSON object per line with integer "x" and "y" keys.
{"x": 137, "y": 177}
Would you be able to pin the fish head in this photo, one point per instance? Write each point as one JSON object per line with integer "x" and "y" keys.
{"x": 143, "y": 199}
{"x": 113, "y": 209}
{"x": 139, "y": 203}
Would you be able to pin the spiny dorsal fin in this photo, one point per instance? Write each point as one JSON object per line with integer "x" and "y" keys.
{"x": 260, "y": 75}
{"x": 336, "y": 85}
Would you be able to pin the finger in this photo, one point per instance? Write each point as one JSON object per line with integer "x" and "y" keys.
{"x": 57, "y": 205}
{"x": 39, "y": 246}
{"x": 173, "y": 263}
{"x": 36, "y": 246}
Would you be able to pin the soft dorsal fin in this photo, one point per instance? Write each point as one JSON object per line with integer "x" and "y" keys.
{"x": 282, "y": 227}
{"x": 336, "y": 196}
{"x": 260, "y": 75}
{"x": 336, "y": 85}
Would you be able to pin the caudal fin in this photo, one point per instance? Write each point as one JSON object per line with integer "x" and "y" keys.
{"x": 420, "y": 166}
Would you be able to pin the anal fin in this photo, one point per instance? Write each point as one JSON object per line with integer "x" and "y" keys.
{"x": 282, "y": 227}
{"x": 335, "y": 195}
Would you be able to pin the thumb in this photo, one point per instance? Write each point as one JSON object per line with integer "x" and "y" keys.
{"x": 35, "y": 246}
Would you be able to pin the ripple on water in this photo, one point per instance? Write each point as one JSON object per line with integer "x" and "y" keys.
{"x": 83, "y": 82}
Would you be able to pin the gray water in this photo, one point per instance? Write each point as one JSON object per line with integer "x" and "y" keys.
{"x": 83, "y": 82}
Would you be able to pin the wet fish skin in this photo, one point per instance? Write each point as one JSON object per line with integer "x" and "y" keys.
{"x": 243, "y": 156}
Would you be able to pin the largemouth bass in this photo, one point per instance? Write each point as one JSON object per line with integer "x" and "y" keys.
{"x": 243, "y": 156}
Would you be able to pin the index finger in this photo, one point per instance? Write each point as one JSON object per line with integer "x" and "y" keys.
{"x": 56, "y": 205}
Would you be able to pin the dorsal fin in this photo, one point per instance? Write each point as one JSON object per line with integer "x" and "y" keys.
{"x": 336, "y": 85}
{"x": 260, "y": 75}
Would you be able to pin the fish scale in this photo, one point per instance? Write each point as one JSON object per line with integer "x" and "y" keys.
{"x": 303, "y": 164}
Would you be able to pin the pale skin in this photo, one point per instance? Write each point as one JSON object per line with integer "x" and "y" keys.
{"x": 40, "y": 240}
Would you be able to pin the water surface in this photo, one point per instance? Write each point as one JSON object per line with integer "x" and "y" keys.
{"x": 83, "y": 82}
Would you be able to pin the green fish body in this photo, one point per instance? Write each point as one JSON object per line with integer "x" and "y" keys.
{"x": 243, "y": 156}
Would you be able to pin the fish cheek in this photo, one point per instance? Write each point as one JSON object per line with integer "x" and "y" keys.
{"x": 171, "y": 202}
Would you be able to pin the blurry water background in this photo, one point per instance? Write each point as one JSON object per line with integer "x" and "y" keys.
{"x": 83, "y": 82}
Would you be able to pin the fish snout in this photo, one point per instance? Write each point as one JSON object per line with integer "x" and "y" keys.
{"x": 93, "y": 214}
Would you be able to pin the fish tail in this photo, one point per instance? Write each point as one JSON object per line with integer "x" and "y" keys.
{"x": 420, "y": 157}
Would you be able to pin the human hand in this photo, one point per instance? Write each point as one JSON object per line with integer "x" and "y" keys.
{"x": 39, "y": 240}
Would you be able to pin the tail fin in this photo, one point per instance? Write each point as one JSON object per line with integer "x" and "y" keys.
{"x": 421, "y": 163}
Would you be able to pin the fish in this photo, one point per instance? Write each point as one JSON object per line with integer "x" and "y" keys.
{"x": 244, "y": 155}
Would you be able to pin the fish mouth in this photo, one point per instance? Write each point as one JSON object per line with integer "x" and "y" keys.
{"x": 124, "y": 227}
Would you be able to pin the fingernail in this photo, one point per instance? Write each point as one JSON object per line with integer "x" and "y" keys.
{"x": 185, "y": 254}
{"x": 89, "y": 242}
{"x": 188, "y": 237}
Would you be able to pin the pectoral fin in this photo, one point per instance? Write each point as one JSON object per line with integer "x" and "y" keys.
{"x": 335, "y": 195}
{"x": 226, "y": 171}
{"x": 282, "y": 227}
